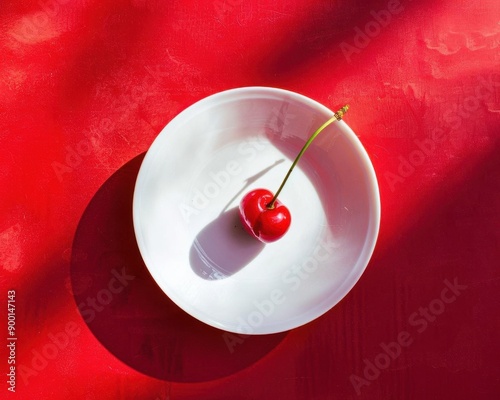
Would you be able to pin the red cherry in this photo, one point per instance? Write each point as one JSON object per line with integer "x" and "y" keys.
{"x": 264, "y": 223}
{"x": 261, "y": 213}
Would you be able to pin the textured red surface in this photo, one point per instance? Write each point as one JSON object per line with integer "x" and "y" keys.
{"x": 85, "y": 87}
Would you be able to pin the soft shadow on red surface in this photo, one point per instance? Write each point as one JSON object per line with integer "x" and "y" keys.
{"x": 126, "y": 310}
{"x": 454, "y": 238}
{"x": 324, "y": 27}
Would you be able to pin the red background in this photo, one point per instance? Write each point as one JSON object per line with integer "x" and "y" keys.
{"x": 85, "y": 87}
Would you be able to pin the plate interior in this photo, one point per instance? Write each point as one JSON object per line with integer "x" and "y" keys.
{"x": 186, "y": 210}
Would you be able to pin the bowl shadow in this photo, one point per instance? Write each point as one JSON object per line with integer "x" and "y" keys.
{"x": 223, "y": 247}
{"x": 128, "y": 312}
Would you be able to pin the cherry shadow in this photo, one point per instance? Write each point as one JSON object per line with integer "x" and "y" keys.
{"x": 127, "y": 311}
{"x": 251, "y": 180}
{"x": 223, "y": 247}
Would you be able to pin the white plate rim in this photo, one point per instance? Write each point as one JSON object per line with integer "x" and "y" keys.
{"x": 374, "y": 201}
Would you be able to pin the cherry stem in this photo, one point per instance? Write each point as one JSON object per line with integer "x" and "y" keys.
{"x": 336, "y": 117}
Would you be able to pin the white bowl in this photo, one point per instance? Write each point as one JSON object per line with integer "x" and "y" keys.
{"x": 186, "y": 220}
